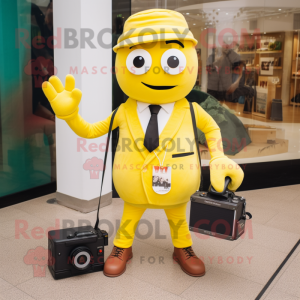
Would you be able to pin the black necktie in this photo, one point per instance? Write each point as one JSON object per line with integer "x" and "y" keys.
{"x": 151, "y": 141}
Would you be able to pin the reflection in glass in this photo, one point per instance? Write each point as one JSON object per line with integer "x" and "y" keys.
{"x": 27, "y": 122}
{"x": 249, "y": 54}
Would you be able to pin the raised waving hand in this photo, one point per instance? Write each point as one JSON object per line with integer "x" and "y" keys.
{"x": 64, "y": 100}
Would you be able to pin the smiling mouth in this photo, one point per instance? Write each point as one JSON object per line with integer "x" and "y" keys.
{"x": 159, "y": 87}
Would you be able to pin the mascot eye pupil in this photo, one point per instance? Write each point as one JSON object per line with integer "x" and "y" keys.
{"x": 138, "y": 61}
{"x": 173, "y": 62}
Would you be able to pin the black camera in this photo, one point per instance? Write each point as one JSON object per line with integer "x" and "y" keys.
{"x": 76, "y": 251}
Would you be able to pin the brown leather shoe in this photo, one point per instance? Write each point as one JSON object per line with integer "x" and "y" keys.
{"x": 189, "y": 262}
{"x": 115, "y": 264}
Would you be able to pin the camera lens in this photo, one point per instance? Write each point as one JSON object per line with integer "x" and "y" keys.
{"x": 81, "y": 258}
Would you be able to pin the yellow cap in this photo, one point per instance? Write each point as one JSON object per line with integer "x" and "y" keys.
{"x": 154, "y": 25}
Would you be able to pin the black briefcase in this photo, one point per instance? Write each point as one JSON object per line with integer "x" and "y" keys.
{"x": 221, "y": 215}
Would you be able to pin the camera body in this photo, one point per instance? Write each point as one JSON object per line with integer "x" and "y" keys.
{"x": 76, "y": 251}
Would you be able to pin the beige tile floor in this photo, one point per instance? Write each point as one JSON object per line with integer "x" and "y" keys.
{"x": 235, "y": 270}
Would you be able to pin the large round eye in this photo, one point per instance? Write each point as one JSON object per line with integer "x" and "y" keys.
{"x": 173, "y": 61}
{"x": 139, "y": 61}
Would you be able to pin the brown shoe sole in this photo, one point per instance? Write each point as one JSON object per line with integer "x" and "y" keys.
{"x": 117, "y": 275}
{"x": 193, "y": 275}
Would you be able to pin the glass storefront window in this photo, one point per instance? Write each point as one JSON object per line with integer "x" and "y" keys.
{"x": 248, "y": 54}
{"x": 248, "y": 57}
{"x": 27, "y": 122}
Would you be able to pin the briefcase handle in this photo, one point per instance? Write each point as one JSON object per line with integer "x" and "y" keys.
{"x": 225, "y": 193}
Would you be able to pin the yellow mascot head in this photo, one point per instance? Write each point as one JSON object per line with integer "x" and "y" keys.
{"x": 156, "y": 59}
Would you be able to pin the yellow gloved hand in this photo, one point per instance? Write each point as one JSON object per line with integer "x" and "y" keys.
{"x": 220, "y": 167}
{"x": 64, "y": 100}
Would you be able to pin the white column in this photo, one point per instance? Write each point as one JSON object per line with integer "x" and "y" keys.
{"x": 84, "y": 59}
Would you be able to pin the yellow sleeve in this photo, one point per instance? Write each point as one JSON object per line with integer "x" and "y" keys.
{"x": 90, "y": 131}
{"x": 220, "y": 165}
{"x": 211, "y": 130}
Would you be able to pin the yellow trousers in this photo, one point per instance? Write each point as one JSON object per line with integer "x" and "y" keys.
{"x": 176, "y": 216}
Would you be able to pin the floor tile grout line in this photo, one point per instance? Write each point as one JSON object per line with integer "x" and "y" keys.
{"x": 278, "y": 228}
{"x": 265, "y": 224}
{"x": 198, "y": 279}
{"x": 216, "y": 269}
{"x": 10, "y": 288}
{"x": 275, "y": 216}
{"x": 247, "y": 279}
{"x": 149, "y": 244}
{"x": 193, "y": 284}
{"x": 265, "y": 288}
{"x": 275, "y": 227}
{"x": 26, "y": 293}
{"x": 240, "y": 276}
{"x": 16, "y": 287}
{"x": 279, "y": 187}
{"x": 287, "y": 293}
{"x": 236, "y": 275}
{"x": 154, "y": 285}
{"x": 27, "y": 231}
{"x": 285, "y": 187}
{"x": 11, "y": 285}
{"x": 258, "y": 192}
{"x": 280, "y": 274}
{"x": 253, "y": 240}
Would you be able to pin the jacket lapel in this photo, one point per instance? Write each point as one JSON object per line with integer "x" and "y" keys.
{"x": 171, "y": 128}
{"x": 135, "y": 126}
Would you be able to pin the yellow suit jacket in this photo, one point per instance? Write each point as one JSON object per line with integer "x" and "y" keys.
{"x": 132, "y": 170}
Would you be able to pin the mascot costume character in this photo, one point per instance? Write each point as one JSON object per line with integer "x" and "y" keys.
{"x": 158, "y": 56}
